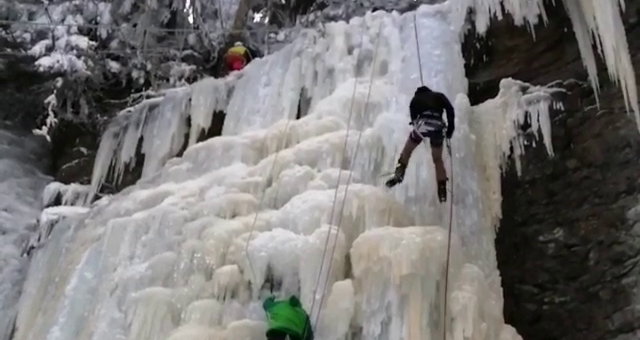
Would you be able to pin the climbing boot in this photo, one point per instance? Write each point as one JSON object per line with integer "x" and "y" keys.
{"x": 398, "y": 176}
{"x": 442, "y": 191}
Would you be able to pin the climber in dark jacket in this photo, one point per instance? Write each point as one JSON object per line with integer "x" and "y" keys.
{"x": 426, "y": 110}
{"x": 287, "y": 320}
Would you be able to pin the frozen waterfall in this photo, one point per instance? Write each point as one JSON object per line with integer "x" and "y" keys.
{"x": 23, "y": 158}
{"x": 172, "y": 256}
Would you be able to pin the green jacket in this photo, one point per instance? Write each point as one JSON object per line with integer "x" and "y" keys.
{"x": 288, "y": 316}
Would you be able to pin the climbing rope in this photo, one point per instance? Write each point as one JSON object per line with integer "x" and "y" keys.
{"x": 338, "y": 225}
{"x": 335, "y": 196}
{"x": 448, "y": 143}
{"x": 273, "y": 165}
{"x": 415, "y": 31}
{"x": 344, "y": 197}
{"x": 260, "y": 205}
{"x": 446, "y": 275}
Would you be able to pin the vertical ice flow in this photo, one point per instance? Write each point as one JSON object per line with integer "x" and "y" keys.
{"x": 183, "y": 255}
{"x": 22, "y": 161}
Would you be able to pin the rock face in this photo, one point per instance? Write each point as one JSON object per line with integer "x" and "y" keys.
{"x": 74, "y": 151}
{"x": 21, "y": 84}
{"x": 568, "y": 246}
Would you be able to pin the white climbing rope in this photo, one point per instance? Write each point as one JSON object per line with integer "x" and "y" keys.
{"x": 448, "y": 143}
{"x": 273, "y": 164}
{"x": 344, "y": 197}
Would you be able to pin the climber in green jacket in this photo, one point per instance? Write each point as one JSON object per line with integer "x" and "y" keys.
{"x": 287, "y": 318}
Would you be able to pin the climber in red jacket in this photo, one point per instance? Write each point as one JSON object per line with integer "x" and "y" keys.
{"x": 237, "y": 57}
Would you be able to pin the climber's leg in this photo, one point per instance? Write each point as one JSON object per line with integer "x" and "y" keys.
{"x": 412, "y": 142}
{"x": 436, "y": 141}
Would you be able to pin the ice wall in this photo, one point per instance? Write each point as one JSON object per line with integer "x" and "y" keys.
{"x": 23, "y": 158}
{"x": 192, "y": 248}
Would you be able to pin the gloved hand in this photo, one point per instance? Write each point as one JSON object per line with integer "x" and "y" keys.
{"x": 293, "y": 301}
{"x": 449, "y": 132}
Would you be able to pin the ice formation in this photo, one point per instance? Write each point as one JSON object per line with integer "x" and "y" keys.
{"x": 21, "y": 161}
{"x": 67, "y": 194}
{"x": 190, "y": 251}
{"x": 595, "y": 22}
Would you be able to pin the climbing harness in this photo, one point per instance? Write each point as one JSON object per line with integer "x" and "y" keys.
{"x": 448, "y": 143}
{"x": 260, "y": 205}
{"x": 344, "y": 197}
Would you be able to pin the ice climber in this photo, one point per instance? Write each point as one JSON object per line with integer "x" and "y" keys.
{"x": 237, "y": 57}
{"x": 287, "y": 319}
{"x": 426, "y": 110}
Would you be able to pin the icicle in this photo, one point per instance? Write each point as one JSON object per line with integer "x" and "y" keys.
{"x": 397, "y": 270}
{"x": 226, "y": 282}
{"x": 153, "y": 314}
{"x": 164, "y": 133}
{"x": 51, "y": 192}
{"x": 594, "y": 22}
{"x": 276, "y": 252}
{"x": 312, "y": 279}
{"x": 131, "y": 138}
{"x": 603, "y": 20}
{"x": 207, "y": 96}
{"x": 338, "y": 312}
{"x": 191, "y": 261}
{"x": 467, "y": 300}
{"x": 118, "y": 143}
{"x": 497, "y": 123}
{"x": 584, "y": 38}
{"x": 206, "y": 313}
{"x": 289, "y": 183}
{"x": 69, "y": 195}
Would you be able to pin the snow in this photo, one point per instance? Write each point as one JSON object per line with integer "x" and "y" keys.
{"x": 190, "y": 251}
{"x": 51, "y": 103}
{"x": 63, "y": 48}
{"x": 21, "y": 181}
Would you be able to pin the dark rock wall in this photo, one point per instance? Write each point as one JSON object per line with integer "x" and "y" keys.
{"x": 74, "y": 151}
{"x": 568, "y": 246}
{"x": 20, "y": 88}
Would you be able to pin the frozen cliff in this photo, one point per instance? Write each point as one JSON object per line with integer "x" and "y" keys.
{"x": 23, "y": 160}
{"x": 185, "y": 253}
